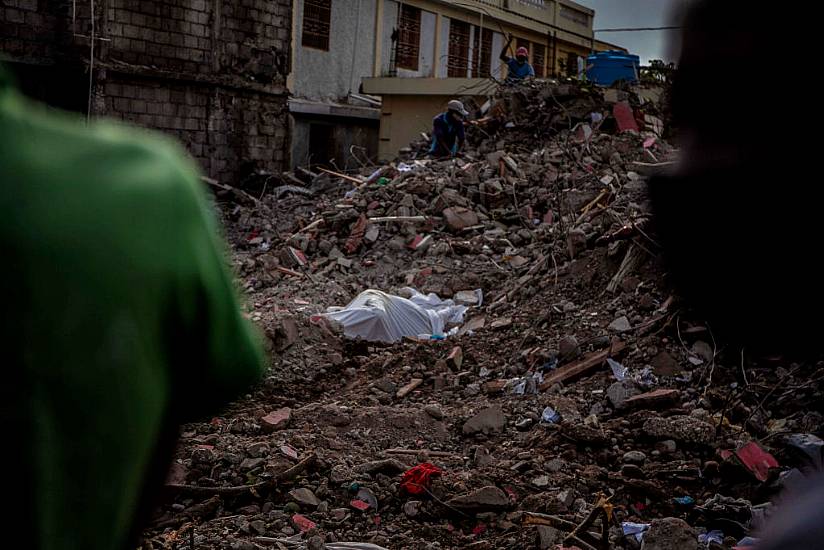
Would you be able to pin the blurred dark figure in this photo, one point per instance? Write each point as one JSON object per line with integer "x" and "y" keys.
{"x": 119, "y": 322}
{"x": 739, "y": 215}
{"x": 738, "y": 218}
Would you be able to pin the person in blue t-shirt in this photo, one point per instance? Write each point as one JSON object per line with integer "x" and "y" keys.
{"x": 518, "y": 68}
{"x": 448, "y": 130}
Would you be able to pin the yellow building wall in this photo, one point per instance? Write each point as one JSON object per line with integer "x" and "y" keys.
{"x": 564, "y": 49}
{"x": 404, "y": 117}
{"x": 407, "y": 113}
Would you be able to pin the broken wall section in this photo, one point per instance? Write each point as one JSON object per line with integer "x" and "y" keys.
{"x": 209, "y": 72}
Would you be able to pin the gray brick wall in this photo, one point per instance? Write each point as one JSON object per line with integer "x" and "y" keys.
{"x": 223, "y": 129}
{"x": 210, "y": 72}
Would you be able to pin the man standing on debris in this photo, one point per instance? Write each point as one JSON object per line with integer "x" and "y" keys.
{"x": 519, "y": 68}
{"x": 448, "y": 130}
{"x": 121, "y": 322}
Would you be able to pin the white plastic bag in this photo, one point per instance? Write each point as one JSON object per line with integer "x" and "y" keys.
{"x": 376, "y": 316}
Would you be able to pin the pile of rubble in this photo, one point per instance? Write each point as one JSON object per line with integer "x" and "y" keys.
{"x": 578, "y": 404}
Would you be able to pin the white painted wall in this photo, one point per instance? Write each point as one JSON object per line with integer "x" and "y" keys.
{"x": 443, "y": 54}
{"x": 498, "y": 69}
{"x": 330, "y": 75}
{"x": 390, "y": 21}
{"x": 472, "y": 32}
{"x": 426, "y": 57}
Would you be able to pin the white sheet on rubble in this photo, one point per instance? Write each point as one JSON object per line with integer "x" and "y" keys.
{"x": 380, "y": 317}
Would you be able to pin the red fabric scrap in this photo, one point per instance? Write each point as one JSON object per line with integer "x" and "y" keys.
{"x": 624, "y": 117}
{"x": 757, "y": 460}
{"x": 416, "y": 481}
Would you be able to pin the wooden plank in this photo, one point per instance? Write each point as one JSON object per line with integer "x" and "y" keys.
{"x": 404, "y": 391}
{"x": 289, "y": 271}
{"x": 580, "y": 368}
{"x": 342, "y": 176}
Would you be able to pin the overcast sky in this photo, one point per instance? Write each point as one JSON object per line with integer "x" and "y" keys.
{"x": 637, "y": 13}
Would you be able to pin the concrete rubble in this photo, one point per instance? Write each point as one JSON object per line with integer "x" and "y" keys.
{"x": 547, "y": 214}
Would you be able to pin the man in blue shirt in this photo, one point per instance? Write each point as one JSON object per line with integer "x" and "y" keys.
{"x": 518, "y": 68}
{"x": 448, "y": 130}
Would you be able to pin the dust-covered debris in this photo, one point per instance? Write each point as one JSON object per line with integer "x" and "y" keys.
{"x": 519, "y": 408}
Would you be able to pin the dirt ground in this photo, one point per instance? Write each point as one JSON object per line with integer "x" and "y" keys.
{"x": 531, "y": 428}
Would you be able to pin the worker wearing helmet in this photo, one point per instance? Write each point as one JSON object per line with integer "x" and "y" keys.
{"x": 518, "y": 68}
{"x": 448, "y": 130}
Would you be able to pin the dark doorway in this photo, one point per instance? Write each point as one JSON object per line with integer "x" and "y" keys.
{"x": 321, "y": 144}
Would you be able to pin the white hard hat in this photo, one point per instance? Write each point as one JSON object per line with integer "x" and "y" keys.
{"x": 456, "y": 105}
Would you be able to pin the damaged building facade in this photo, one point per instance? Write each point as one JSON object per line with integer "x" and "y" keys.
{"x": 333, "y": 49}
{"x": 370, "y": 74}
{"x": 432, "y": 51}
{"x": 212, "y": 73}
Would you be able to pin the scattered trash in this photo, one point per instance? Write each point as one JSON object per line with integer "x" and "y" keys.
{"x": 684, "y": 501}
{"x": 552, "y": 364}
{"x": 416, "y": 480}
{"x": 624, "y": 116}
{"x": 474, "y": 409}
{"x": 303, "y": 523}
{"x": 635, "y": 530}
{"x": 469, "y": 297}
{"x": 716, "y": 537}
{"x": 360, "y": 505}
{"x": 550, "y": 416}
{"x": 366, "y": 495}
{"x": 808, "y": 447}
{"x": 645, "y": 378}
{"x": 618, "y": 370}
{"x": 747, "y": 542}
{"x": 527, "y": 385}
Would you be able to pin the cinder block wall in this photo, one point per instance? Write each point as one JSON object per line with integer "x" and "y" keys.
{"x": 209, "y": 72}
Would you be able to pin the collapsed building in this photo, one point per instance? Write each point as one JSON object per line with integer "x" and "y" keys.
{"x": 210, "y": 73}
{"x": 580, "y": 403}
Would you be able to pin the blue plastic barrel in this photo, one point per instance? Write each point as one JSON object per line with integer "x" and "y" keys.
{"x": 607, "y": 68}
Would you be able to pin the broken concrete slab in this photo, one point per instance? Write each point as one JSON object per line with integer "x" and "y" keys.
{"x": 687, "y": 429}
{"x": 458, "y": 218}
{"x": 665, "y": 364}
{"x": 305, "y": 497}
{"x": 486, "y": 499}
{"x": 276, "y": 420}
{"x": 486, "y": 421}
{"x": 618, "y": 393}
{"x": 619, "y": 325}
{"x": 670, "y": 534}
